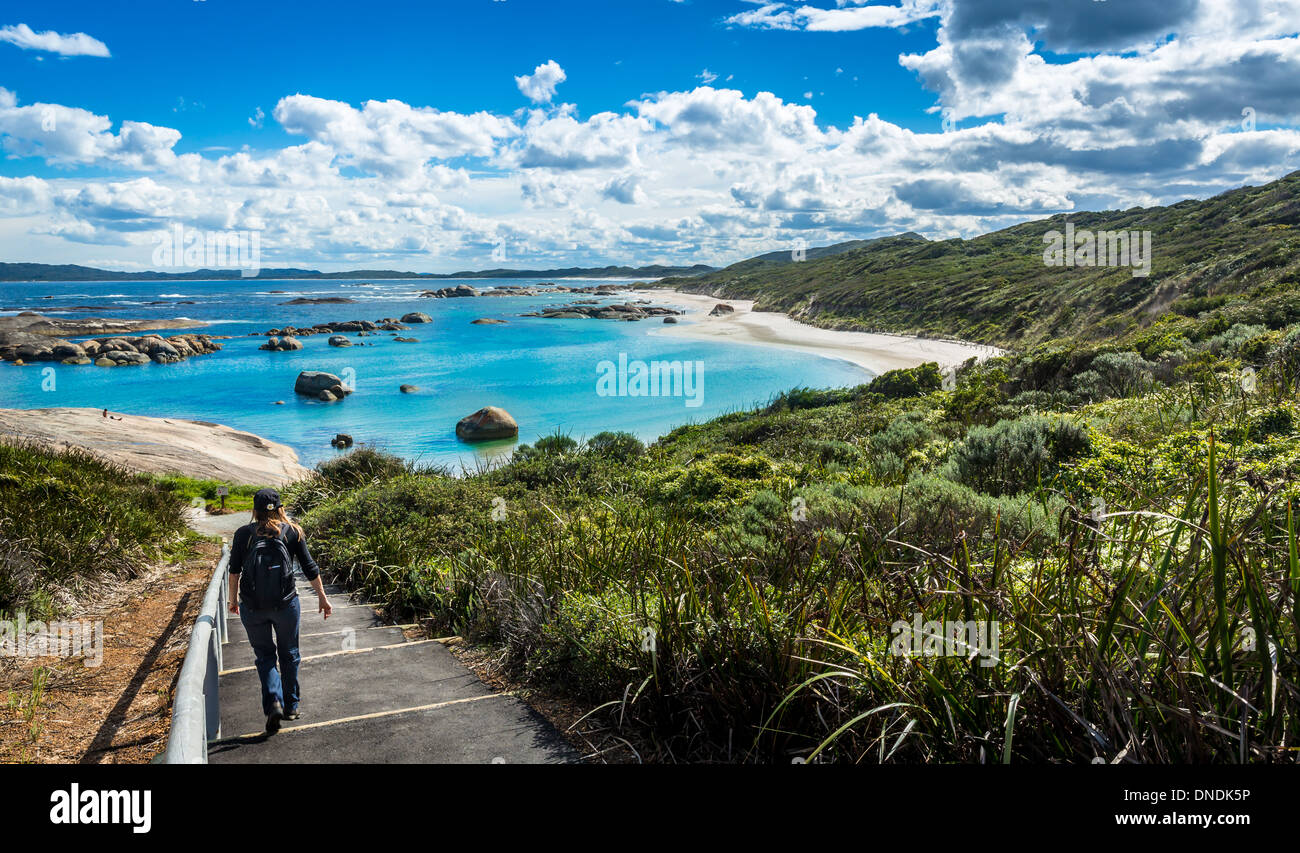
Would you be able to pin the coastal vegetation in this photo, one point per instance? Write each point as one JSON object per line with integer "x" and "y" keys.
{"x": 69, "y": 520}
{"x": 734, "y": 591}
{"x": 1115, "y": 499}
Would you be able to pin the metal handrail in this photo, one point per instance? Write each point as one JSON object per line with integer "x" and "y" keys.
{"x": 196, "y": 713}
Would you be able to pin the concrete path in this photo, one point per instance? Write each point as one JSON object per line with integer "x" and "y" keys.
{"x": 369, "y": 696}
{"x": 217, "y": 525}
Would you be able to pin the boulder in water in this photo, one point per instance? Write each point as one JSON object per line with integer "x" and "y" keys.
{"x": 323, "y": 386}
{"x": 488, "y": 423}
{"x": 286, "y": 344}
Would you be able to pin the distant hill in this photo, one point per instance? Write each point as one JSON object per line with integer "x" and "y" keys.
{"x": 813, "y": 254}
{"x": 73, "y": 272}
{"x": 1239, "y": 250}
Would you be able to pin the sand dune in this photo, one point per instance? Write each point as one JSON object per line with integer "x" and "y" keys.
{"x": 159, "y": 445}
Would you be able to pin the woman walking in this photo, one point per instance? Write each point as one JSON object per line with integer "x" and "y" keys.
{"x": 265, "y": 598}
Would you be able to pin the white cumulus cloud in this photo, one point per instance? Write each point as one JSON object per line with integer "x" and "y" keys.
{"x": 539, "y": 87}
{"x": 76, "y": 44}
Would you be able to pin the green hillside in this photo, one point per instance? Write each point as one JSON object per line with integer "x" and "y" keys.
{"x": 1239, "y": 250}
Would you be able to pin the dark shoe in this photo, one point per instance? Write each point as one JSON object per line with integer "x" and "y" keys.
{"x": 292, "y": 714}
{"x": 273, "y": 719}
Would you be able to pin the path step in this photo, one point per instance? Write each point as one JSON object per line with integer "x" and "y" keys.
{"x": 496, "y": 729}
{"x": 355, "y": 616}
{"x": 347, "y": 639}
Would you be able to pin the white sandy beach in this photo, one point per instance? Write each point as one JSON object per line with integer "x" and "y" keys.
{"x": 874, "y": 352}
{"x": 159, "y": 445}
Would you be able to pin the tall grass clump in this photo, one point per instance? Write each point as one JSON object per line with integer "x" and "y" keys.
{"x": 68, "y": 518}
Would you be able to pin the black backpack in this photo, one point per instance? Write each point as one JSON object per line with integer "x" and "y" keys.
{"x": 266, "y": 582}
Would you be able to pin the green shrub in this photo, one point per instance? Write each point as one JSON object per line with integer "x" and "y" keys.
{"x": 404, "y": 519}
{"x": 979, "y": 391}
{"x": 344, "y": 474}
{"x": 711, "y": 485}
{"x": 616, "y": 446}
{"x": 1231, "y": 342}
{"x": 1284, "y": 359}
{"x": 828, "y": 452}
{"x": 1017, "y": 456}
{"x": 812, "y": 398}
{"x": 362, "y": 465}
{"x": 907, "y": 382}
{"x": 548, "y": 445}
{"x": 1121, "y": 374}
{"x": 905, "y": 433}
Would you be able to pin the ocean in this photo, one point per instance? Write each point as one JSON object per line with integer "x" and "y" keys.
{"x": 547, "y": 373}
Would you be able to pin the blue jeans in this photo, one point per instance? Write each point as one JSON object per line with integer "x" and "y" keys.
{"x": 277, "y": 685}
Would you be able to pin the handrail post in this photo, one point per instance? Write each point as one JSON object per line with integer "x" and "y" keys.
{"x": 223, "y": 610}
{"x": 212, "y": 688}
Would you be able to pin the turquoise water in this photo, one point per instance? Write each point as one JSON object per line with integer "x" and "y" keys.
{"x": 544, "y": 372}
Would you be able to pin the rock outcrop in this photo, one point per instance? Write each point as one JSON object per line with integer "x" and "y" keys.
{"x": 27, "y": 347}
{"x": 459, "y": 291}
{"x": 586, "y": 309}
{"x": 63, "y": 327}
{"x": 511, "y": 290}
{"x": 359, "y": 327}
{"x": 195, "y": 449}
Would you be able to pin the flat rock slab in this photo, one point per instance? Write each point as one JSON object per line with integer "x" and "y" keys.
{"x": 196, "y": 449}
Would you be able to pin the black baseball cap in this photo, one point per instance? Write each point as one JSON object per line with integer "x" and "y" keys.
{"x": 266, "y": 499}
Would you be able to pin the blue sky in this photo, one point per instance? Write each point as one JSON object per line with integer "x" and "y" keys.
{"x": 204, "y": 67}
{"x": 398, "y": 133}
